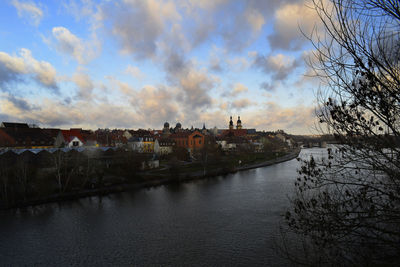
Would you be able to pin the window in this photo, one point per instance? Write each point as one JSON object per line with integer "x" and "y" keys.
{"x": 199, "y": 142}
{"x": 75, "y": 143}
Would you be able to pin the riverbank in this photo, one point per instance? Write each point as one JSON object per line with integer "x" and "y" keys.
{"x": 151, "y": 182}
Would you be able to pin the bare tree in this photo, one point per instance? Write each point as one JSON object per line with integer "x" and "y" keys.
{"x": 65, "y": 165}
{"x": 21, "y": 171}
{"x": 347, "y": 204}
{"x": 4, "y": 177}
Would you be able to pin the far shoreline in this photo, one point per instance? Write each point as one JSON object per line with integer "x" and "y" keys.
{"x": 152, "y": 182}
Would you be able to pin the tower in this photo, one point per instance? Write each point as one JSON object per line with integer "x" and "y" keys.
{"x": 204, "y": 130}
{"x": 178, "y": 127}
{"x": 231, "y": 124}
{"x": 239, "y": 123}
{"x": 166, "y": 129}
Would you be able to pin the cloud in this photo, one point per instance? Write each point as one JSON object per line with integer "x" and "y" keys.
{"x": 156, "y": 105}
{"x": 142, "y": 28}
{"x": 43, "y": 71}
{"x": 153, "y": 105}
{"x": 267, "y": 87}
{"x": 297, "y": 119}
{"x": 216, "y": 64}
{"x": 239, "y": 32}
{"x": 241, "y": 103}
{"x": 237, "y": 64}
{"x": 28, "y": 10}
{"x": 134, "y": 71}
{"x": 239, "y": 88}
{"x": 311, "y": 76}
{"x": 53, "y": 113}
{"x": 80, "y": 10}
{"x": 11, "y": 68}
{"x": 205, "y": 4}
{"x": 137, "y": 25}
{"x": 224, "y": 106}
{"x": 192, "y": 83}
{"x": 255, "y": 19}
{"x": 150, "y": 107}
{"x": 14, "y": 106}
{"x": 221, "y": 60}
{"x": 70, "y": 44}
{"x": 279, "y": 66}
{"x": 195, "y": 85}
{"x": 14, "y": 68}
{"x": 125, "y": 89}
{"x": 219, "y": 118}
{"x": 290, "y": 21}
{"x": 84, "y": 83}
{"x": 20, "y": 103}
{"x": 240, "y": 24}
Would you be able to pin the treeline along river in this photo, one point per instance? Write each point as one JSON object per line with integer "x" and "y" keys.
{"x": 231, "y": 220}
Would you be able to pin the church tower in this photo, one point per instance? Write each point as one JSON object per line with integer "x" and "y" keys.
{"x": 231, "y": 124}
{"x": 239, "y": 123}
{"x": 204, "y": 130}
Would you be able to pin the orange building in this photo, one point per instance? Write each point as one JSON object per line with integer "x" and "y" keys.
{"x": 189, "y": 140}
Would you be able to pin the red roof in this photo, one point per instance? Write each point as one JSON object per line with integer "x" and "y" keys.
{"x": 70, "y": 134}
{"x": 234, "y": 132}
{"x": 180, "y": 135}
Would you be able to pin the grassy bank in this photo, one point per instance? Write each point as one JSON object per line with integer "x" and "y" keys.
{"x": 118, "y": 178}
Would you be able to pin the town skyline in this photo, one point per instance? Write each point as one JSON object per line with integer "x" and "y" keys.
{"x": 88, "y": 64}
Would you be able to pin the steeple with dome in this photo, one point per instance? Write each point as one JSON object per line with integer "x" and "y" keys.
{"x": 178, "y": 127}
{"x": 166, "y": 127}
{"x": 231, "y": 124}
{"x": 239, "y": 123}
{"x": 204, "y": 130}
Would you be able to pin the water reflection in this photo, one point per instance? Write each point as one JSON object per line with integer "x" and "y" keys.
{"x": 230, "y": 220}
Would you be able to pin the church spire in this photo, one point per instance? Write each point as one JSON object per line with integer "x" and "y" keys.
{"x": 239, "y": 123}
{"x": 231, "y": 124}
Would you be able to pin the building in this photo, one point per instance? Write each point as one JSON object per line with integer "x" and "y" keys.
{"x": 70, "y": 138}
{"x": 14, "y": 125}
{"x": 239, "y": 131}
{"x": 190, "y": 140}
{"x": 142, "y": 141}
{"x": 22, "y": 137}
{"x": 166, "y": 130}
{"x": 232, "y": 143}
{"x": 178, "y": 127}
{"x": 163, "y": 146}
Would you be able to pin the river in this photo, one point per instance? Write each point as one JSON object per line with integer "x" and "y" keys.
{"x": 231, "y": 220}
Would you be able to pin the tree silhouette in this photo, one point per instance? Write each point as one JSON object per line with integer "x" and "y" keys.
{"x": 347, "y": 204}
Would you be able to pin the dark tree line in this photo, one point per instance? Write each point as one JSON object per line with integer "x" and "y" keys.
{"x": 29, "y": 176}
{"x": 347, "y": 204}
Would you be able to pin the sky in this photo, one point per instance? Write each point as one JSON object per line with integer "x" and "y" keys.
{"x": 137, "y": 64}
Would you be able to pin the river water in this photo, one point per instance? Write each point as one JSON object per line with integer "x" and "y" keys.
{"x": 231, "y": 220}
